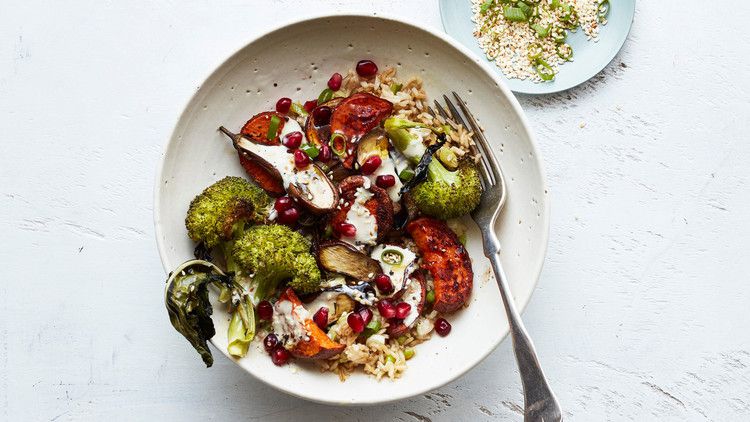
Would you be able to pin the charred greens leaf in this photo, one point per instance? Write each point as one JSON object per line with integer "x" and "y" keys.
{"x": 188, "y": 306}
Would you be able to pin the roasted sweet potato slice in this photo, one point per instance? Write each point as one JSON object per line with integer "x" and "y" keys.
{"x": 257, "y": 128}
{"x": 380, "y": 205}
{"x": 355, "y": 116}
{"x": 319, "y": 345}
{"x": 446, "y": 259}
{"x": 265, "y": 179}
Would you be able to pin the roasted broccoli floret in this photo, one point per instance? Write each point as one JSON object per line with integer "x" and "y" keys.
{"x": 445, "y": 194}
{"x": 222, "y": 210}
{"x": 273, "y": 253}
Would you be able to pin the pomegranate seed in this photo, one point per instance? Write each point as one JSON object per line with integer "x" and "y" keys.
{"x": 279, "y": 356}
{"x": 366, "y": 315}
{"x": 383, "y": 283}
{"x": 321, "y": 317}
{"x": 283, "y": 203}
{"x": 386, "y": 309}
{"x": 289, "y": 216}
{"x": 346, "y": 229}
{"x": 321, "y": 115}
{"x": 442, "y": 327}
{"x": 371, "y": 164}
{"x": 367, "y": 68}
{"x": 324, "y": 153}
{"x": 292, "y": 140}
{"x": 310, "y": 105}
{"x": 385, "y": 181}
{"x": 402, "y": 310}
{"x": 301, "y": 159}
{"x": 356, "y": 322}
{"x": 282, "y": 106}
{"x": 335, "y": 82}
{"x": 265, "y": 310}
{"x": 270, "y": 342}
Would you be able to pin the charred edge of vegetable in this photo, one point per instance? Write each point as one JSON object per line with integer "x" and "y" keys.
{"x": 420, "y": 171}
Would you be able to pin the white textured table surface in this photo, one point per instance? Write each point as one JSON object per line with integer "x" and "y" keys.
{"x": 642, "y": 311}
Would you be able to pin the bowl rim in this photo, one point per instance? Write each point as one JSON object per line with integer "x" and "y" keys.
{"x": 446, "y": 38}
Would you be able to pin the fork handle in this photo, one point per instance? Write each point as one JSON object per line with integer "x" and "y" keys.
{"x": 540, "y": 402}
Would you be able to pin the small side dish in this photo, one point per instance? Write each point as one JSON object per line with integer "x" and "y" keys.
{"x": 338, "y": 249}
{"x": 527, "y": 39}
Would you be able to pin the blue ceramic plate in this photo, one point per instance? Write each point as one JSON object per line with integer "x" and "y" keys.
{"x": 589, "y": 59}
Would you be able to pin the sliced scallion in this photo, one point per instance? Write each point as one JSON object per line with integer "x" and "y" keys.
{"x": 564, "y": 51}
{"x": 273, "y": 127}
{"x": 485, "y": 6}
{"x": 514, "y": 14}
{"x": 406, "y": 175}
{"x": 396, "y": 88}
{"x": 544, "y": 70}
{"x": 525, "y": 8}
{"x": 392, "y": 257}
{"x": 535, "y": 51}
{"x": 559, "y": 35}
{"x": 603, "y": 10}
{"x": 325, "y": 96}
{"x": 299, "y": 109}
{"x": 541, "y": 31}
{"x": 338, "y": 144}
{"x": 311, "y": 150}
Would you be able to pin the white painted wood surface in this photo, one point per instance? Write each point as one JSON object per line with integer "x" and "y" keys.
{"x": 641, "y": 312}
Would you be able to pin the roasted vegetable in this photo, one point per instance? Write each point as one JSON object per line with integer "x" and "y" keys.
{"x": 341, "y": 258}
{"x": 318, "y": 135}
{"x": 356, "y": 115}
{"x": 186, "y": 298}
{"x": 222, "y": 210}
{"x": 259, "y": 127}
{"x": 444, "y": 194}
{"x": 415, "y": 296}
{"x": 318, "y": 345}
{"x": 446, "y": 259}
{"x": 379, "y": 205}
{"x": 274, "y": 253}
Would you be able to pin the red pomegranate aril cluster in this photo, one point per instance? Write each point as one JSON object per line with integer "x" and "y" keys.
{"x": 384, "y": 284}
{"x": 321, "y": 115}
{"x": 385, "y": 181}
{"x": 366, "y": 315}
{"x": 367, "y": 68}
{"x": 270, "y": 342}
{"x": 292, "y": 140}
{"x": 371, "y": 164}
{"x": 324, "y": 153}
{"x": 386, "y": 309}
{"x": 346, "y": 229}
{"x": 265, "y": 310}
{"x": 280, "y": 356}
{"x": 289, "y": 216}
{"x": 283, "y": 105}
{"x": 301, "y": 159}
{"x": 442, "y": 327}
{"x": 356, "y": 323}
{"x": 310, "y": 105}
{"x": 283, "y": 203}
{"x": 402, "y": 310}
{"x": 321, "y": 317}
{"x": 335, "y": 82}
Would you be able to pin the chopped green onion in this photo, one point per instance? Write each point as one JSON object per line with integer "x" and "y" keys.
{"x": 406, "y": 175}
{"x": 325, "y": 96}
{"x": 408, "y": 354}
{"x": 311, "y": 150}
{"x": 564, "y": 51}
{"x": 430, "y": 297}
{"x": 603, "y": 10}
{"x": 299, "y": 109}
{"x": 555, "y": 4}
{"x": 535, "y": 51}
{"x": 525, "y": 8}
{"x": 402, "y": 340}
{"x": 273, "y": 127}
{"x": 396, "y": 88}
{"x": 447, "y": 157}
{"x": 485, "y": 6}
{"x": 392, "y": 257}
{"x": 514, "y": 14}
{"x": 390, "y": 358}
{"x": 541, "y": 31}
{"x": 544, "y": 70}
{"x": 374, "y": 325}
{"x": 338, "y": 144}
{"x": 559, "y": 35}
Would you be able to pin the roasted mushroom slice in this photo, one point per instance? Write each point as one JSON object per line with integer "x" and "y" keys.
{"x": 318, "y": 135}
{"x": 341, "y": 258}
{"x": 309, "y": 186}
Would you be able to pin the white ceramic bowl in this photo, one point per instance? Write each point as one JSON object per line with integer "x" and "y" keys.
{"x": 296, "y": 61}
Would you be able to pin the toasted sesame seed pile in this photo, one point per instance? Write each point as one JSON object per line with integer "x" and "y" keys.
{"x": 508, "y": 43}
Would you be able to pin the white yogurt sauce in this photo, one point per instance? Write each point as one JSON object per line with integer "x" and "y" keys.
{"x": 361, "y": 218}
{"x": 289, "y": 323}
{"x": 397, "y": 272}
{"x": 412, "y": 296}
{"x": 387, "y": 167}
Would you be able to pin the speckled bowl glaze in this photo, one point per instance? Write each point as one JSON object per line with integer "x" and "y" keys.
{"x": 296, "y": 61}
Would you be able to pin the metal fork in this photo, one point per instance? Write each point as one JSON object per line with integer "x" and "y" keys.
{"x": 540, "y": 403}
